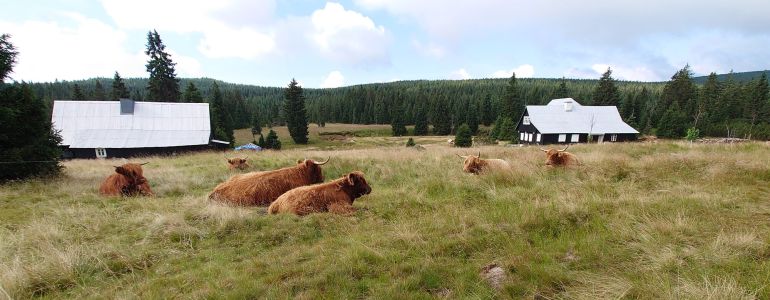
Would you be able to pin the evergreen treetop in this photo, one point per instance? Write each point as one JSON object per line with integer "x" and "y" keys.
{"x": 606, "y": 93}
{"x": 163, "y": 84}
{"x": 295, "y": 113}
{"x": 119, "y": 89}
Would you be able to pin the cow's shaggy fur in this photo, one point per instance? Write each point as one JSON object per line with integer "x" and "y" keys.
{"x": 128, "y": 180}
{"x": 477, "y": 165}
{"x": 237, "y": 163}
{"x": 555, "y": 157}
{"x": 262, "y": 188}
{"x": 336, "y": 196}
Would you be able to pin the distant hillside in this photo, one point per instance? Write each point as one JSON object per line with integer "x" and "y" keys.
{"x": 739, "y": 77}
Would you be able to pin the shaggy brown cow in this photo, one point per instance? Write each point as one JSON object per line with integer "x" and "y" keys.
{"x": 336, "y": 196}
{"x": 237, "y": 163}
{"x": 477, "y": 165}
{"x": 559, "y": 157}
{"x": 262, "y": 188}
{"x": 127, "y": 181}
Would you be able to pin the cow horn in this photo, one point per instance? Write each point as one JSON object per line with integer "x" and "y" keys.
{"x": 142, "y": 164}
{"x": 565, "y": 148}
{"x": 321, "y": 163}
{"x": 479, "y": 156}
{"x": 460, "y": 156}
{"x": 541, "y": 149}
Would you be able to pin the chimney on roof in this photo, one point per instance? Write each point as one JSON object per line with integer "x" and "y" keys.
{"x": 567, "y": 105}
{"x": 126, "y": 106}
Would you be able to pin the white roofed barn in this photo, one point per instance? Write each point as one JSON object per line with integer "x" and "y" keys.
{"x": 566, "y": 121}
{"x": 127, "y": 128}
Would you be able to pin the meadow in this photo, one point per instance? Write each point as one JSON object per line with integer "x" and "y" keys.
{"x": 635, "y": 220}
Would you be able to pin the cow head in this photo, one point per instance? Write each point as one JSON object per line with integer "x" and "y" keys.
{"x": 132, "y": 172}
{"x": 237, "y": 163}
{"x": 554, "y": 156}
{"x": 472, "y": 163}
{"x": 313, "y": 169}
{"x": 356, "y": 184}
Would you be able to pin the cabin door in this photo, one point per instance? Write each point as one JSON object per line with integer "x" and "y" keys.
{"x": 601, "y": 139}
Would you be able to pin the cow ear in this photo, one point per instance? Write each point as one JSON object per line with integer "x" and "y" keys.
{"x": 351, "y": 179}
{"x": 299, "y": 161}
{"x": 120, "y": 170}
{"x": 309, "y": 162}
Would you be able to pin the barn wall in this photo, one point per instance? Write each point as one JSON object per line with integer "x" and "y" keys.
{"x": 133, "y": 152}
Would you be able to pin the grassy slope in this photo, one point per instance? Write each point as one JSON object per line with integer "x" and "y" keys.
{"x": 665, "y": 220}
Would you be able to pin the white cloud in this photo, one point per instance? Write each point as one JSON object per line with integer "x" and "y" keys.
{"x": 225, "y": 31}
{"x": 429, "y": 49}
{"x": 460, "y": 74}
{"x": 333, "y": 80}
{"x": 523, "y": 71}
{"x": 50, "y": 50}
{"x": 348, "y": 36}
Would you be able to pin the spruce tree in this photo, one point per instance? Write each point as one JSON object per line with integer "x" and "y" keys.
{"x": 163, "y": 84}
{"x": 495, "y": 132}
{"x": 256, "y": 126}
{"x": 397, "y": 125}
{"x": 487, "y": 114}
{"x": 756, "y": 105}
{"x": 221, "y": 128}
{"x": 295, "y": 113}
{"x": 261, "y": 143}
{"x": 710, "y": 109}
{"x": 119, "y": 89}
{"x": 561, "y": 91}
{"x": 77, "y": 94}
{"x": 192, "y": 94}
{"x": 442, "y": 122}
{"x": 606, "y": 93}
{"x": 421, "y": 121}
{"x": 30, "y": 145}
{"x": 99, "y": 93}
{"x": 472, "y": 118}
{"x": 463, "y": 137}
{"x": 507, "y": 130}
{"x": 673, "y": 123}
{"x": 512, "y": 105}
{"x": 682, "y": 90}
{"x": 272, "y": 141}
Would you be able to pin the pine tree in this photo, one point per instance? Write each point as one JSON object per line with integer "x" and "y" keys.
{"x": 673, "y": 123}
{"x": 272, "y": 141}
{"x": 397, "y": 125}
{"x": 709, "y": 109}
{"x": 26, "y": 132}
{"x": 192, "y": 94}
{"x": 119, "y": 89}
{"x": 256, "y": 126}
{"x": 221, "y": 128}
{"x": 495, "y": 132}
{"x": 487, "y": 115}
{"x": 8, "y": 55}
{"x": 463, "y": 137}
{"x": 420, "y": 121}
{"x": 756, "y": 103}
{"x": 472, "y": 118}
{"x": 77, "y": 94}
{"x": 163, "y": 84}
{"x": 442, "y": 122}
{"x": 261, "y": 143}
{"x": 512, "y": 103}
{"x": 680, "y": 89}
{"x": 294, "y": 112}
{"x": 507, "y": 130}
{"x": 99, "y": 93}
{"x": 606, "y": 93}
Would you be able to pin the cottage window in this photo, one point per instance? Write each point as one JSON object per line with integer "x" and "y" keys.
{"x": 521, "y": 136}
{"x": 575, "y": 138}
{"x": 538, "y": 137}
{"x": 531, "y": 136}
{"x": 526, "y": 120}
{"x": 562, "y": 138}
{"x": 101, "y": 152}
{"x": 614, "y": 138}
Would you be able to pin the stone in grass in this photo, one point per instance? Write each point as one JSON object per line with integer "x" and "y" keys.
{"x": 494, "y": 275}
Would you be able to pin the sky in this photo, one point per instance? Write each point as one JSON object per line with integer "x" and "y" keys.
{"x": 338, "y": 43}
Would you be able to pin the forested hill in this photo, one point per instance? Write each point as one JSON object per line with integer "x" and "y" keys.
{"x": 729, "y": 105}
{"x": 739, "y": 77}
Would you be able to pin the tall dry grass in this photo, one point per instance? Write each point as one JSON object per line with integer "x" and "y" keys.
{"x": 666, "y": 220}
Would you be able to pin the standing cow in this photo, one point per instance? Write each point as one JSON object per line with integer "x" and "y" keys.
{"x": 557, "y": 158}
{"x": 336, "y": 196}
{"x": 127, "y": 181}
{"x": 476, "y": 165}
{"x": 237, "y": 163}
{"x": 262, "y": 188}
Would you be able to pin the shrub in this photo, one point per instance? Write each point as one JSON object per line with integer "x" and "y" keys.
{"x": 463, "y": 137}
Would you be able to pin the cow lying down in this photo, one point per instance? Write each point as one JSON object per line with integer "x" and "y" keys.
{"x": 476, "y": 165}
{"x": 336, "y": 196}
{"x": 555, "y": 158}
{"x": 262, "y": 188}
{"x": 128, "y": 180}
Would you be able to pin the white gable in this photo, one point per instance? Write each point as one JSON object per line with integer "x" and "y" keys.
{"x": 567, "y": 116}
{"x": 99, "y": 124}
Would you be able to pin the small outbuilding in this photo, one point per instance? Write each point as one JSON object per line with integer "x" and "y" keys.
{"x": 566, "y": 121}
{"x": 125, "y": 128}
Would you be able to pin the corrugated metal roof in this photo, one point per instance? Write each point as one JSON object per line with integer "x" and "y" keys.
{"x": 99, "y": 124}
{"x": 554, "y": 118}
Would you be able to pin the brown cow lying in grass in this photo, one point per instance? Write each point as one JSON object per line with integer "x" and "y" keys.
{"x": 127, "y": 181}
{"x": 262, "y": 188}
{"x": 237, "y": 163}
{"x": 555, "y": 158}
{"x": 477, "y": 165}
{"x": 336, "y": 196}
